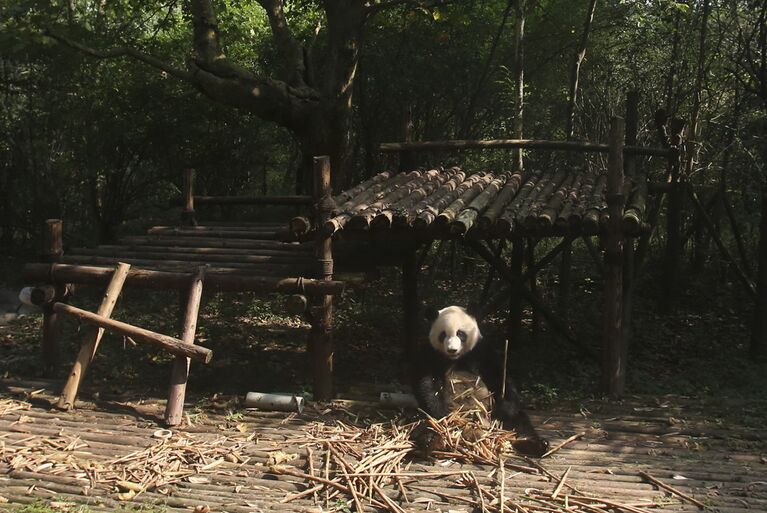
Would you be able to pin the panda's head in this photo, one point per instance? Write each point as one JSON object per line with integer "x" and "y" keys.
{"x": 454, "y": 332}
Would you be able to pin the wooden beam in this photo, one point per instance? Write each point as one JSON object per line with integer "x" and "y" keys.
{"x": 218, "y": 280}
{"x": 253, "y": 200}
{"x": 91, "y": 338}
{"x": 534, "y": 144}
{"x": 170, "y": 344}
{"x": 174, "y": 408}
{"x": 613, "y": 342}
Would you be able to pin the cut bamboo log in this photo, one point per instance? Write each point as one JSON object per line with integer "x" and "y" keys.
{"x": 364, "y": 200}
{"x": 362, "y": 187}
{"x": 170, "y": 344}
{"x": 565, "y": 217}
{"x": 456, "y": 178}
{"x": 504, "y": 224}
{"x": 289, "y": 250}
{"x": 221, "y": 232}
{"x": 449, "y": 214}
{"x": 548, "y": 214}
{"x": 386, "y": 217}
{"x": 530, "y": 217}
{"x": 506, "y": 195}
{"x": 595, "y": 204}
{"x": 180, "y": 373}
{"x": 362, "y": 219}
{"x": 430, "y": 213}
{"x": 216, "y": 279}
{"x": 91, "y": 338}
{"x": 466, "y": 219}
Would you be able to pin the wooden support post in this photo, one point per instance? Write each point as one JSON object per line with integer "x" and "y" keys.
{"x": 187, "y": 215}
{"x": 174, "y": 408}
{"x": 515, "y": 301}
{"x": 53, "y": 249}
{"x": 91, "y": 338}
{"x": 170, "y": 344}
{"x": 613, "y": 346}
{"x": 532, "y": 273}
{"x": 410, "y": 301}
{"x": 631, "y": 172}
{"x": 321, "y": 335}
{"x": 673, "y": 217}
{"x": 565, "y": 272}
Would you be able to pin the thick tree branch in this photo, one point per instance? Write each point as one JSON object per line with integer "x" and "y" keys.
{"x": 290, "y": 49}
{"x": 122, "y": 52}
{"x": 206, "y": 43}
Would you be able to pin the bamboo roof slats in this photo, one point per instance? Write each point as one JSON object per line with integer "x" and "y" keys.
{"x": 548, "y": 215}
{"x": 550, "y": 185}
{"x": 596, "y": 204}
{"x": 361, "y": 220}
{"x": 360, "y": 203}
{"x": 636, "y": 205}
{"x": 506, "y": 195}
{"x": 504, "y": 224}
{"x": 429, "y": 214}
{"x": 397, "y": 213}
{"x": 571, "y": 202}
{"x": 345, "y": 196}
{"x": 466, "y": 219}
{"x": 446, "y": 188}
{"x": 449, "y": 214}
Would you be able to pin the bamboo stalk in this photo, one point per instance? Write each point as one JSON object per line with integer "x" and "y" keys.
{"x": 505, "y": 223}
{"x": 561, "y": 483}
{"x": 213, "y": 242}
{"x": 449, "y": 214}
{"x": 671, "y": 489}
{"x": 562, "y": 444}
{"x": 507, "y": 194}
{"x": 399, "y": 212}
{"x": 468, "y": 217}
{"x": 427, "y": 216}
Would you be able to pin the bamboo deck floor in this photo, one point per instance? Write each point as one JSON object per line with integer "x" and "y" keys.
{"x": 724, "y": 466}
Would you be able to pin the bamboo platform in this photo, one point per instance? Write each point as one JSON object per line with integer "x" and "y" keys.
{"x": 63, "y": 458}
{"x": 451, "y": 203}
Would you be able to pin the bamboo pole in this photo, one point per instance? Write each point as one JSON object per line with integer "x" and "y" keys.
{"x": 506, "y": 195}
{"x": 216, "y": 279}
{"x": 179, "y": 254}
{"x": 362, "y": 219}
{"x": 430, "y": 213}
{"x": 532, "y": 144}
{"x": 673, "y": 217}
{"x": 398, "y": 212}
{"x": 321, "y": 335}
{"x": 444, "y": 190}
{"x": 469, "y": 215}
{"x": 263, "y": 269}
{"x": 187, "y": 215}
{"x": 170, "y": 344}
{"x": 91, "y": 338}
{"x": 253, "y": 200}
{"x": 613, "y": 343}
{"x": 451, "y": 211}
{"x": 53, "y": 249}
{"x": 203, "y": 242}
{"x": 174, "y": 408}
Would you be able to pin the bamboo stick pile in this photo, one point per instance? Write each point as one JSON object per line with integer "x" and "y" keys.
{"x": 445, "y": 203}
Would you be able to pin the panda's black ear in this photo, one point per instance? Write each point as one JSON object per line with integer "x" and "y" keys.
{"x": 431, "y": 313}
{"x": 474, "y": 310}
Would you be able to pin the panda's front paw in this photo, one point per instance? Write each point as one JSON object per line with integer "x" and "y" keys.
{"x": 426, "y": 440}
{"x": 531, "y": 446}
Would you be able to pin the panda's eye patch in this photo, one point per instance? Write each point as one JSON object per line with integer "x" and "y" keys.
{"x": 442, "y": 336}
{"x": 462, "y": 335}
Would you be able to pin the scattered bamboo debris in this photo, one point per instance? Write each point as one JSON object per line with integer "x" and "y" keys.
{"x": 349, "y": 468}
{"x": 11, "y": 405}
{"x": 168, "y": 461}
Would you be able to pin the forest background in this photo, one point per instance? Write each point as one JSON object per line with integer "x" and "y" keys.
{"x": 103, "y": 103}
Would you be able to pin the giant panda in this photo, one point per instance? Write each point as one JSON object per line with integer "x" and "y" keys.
{"x": 457, "y": 354}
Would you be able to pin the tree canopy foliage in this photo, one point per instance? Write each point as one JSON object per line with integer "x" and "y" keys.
{"x": 104, "y": 102}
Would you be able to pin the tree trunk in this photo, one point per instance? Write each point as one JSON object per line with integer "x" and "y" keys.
{"x": 759, "y": 331}
{"x": 519, "y": 77}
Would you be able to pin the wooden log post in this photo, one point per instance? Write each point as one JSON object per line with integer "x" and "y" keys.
{"x": 410, "y": 301}
{"x": 613, "y": 343}
{"x": 187, "y": 215}
{"x": 53, "y": 249}
{"x": 673, "y": 217}
{"x": 91, "y": 338}
{"x": 632, "y": 173}
{"x": 174, "y": 408}
{"x": 321, "y": 335}
{"x": 170, "y": 344}
{"x": 515, "y": 300}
